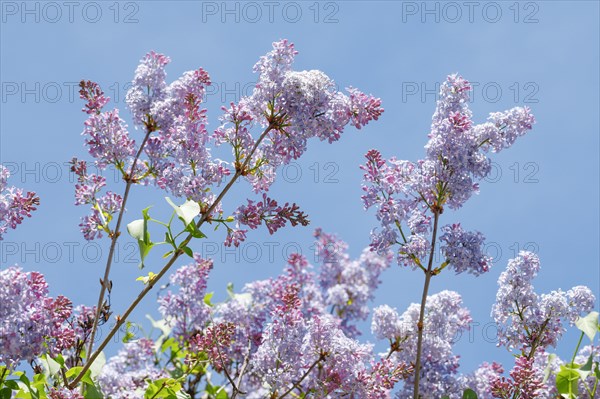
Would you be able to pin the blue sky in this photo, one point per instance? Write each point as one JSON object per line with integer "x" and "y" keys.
{"x": 543, "y": 194}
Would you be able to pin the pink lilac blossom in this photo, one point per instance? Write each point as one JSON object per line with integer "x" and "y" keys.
{"x": 91, "y": 92}
{"x": 482, "y": 379}
{"x": 14, "y": 205}
{"x": 31, "y": 322}
{"x": 249, "y": 312}
{"x": 279, "y": 359}
{"x": 213, "y": 342}
{"x": 269, "y": 212}
{"x": 526, "y": 381}
{"x": 179, "y": 159}
{"x": 102, "y": 207}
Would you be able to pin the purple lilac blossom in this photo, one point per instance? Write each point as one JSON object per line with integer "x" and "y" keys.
{"x": 528, "y": 319}
{"x": 185, "y": 310}
{"x": 31, "y": 322}
{"x": 463, "y": 250}
{"x": 307, "y": 104}
{"x": 348, "y": 285}
{"x": 445, "y": 319}
{"x": 456, "y": 160}
{"x": 148, "y": 85}
{"x": 125, "y": 375}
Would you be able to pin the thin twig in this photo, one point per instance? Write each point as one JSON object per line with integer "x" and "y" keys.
{"x": 242, "y": 371}
{"x": 296, "y": 384}
{"x": 428, "y": 275}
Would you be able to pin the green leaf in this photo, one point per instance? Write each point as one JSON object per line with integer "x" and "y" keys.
{"x": 12, "y": 384}
{"x": 194, "y": 231}
{"x": 74, "y": 372}
{"x": 163, "y": 388}
{"x": 51, "y": 366}
{"x": 136, "y": 229}
{"x": 171, "y": 344}
{"x": 167, "y": 254}
{"x": 566, "y": 382}
{"x": 60, "y": 359}
{"x": 187, "y": 211}
{"x": 589, "y": 325}
{"x": 222, "y": 394}
{"x": 96, "y": 367}
{"x": 188, "y": 251}
{"x": 146, "y": 279}
{"x": 207, "y": 298}
{"x": 548, "y": 369}
{"x": 5, "y": 393}
{"x": 23, "y": 378}
{"x": 469, "y": 394}
{"x": 92, "y": 392}
{"x": 230, "y": 290}
{"x": 128, "y": 334}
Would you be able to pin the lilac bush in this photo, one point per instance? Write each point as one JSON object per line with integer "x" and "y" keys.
{"x": 296, "y": 334}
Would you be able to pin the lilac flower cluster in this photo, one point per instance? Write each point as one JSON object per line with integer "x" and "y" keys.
{"x": 103, "y": 207}
{"x": 185, "y": 311}
{"x": 106, "y": 133}
{"x": 213, "y": 342}
{"x": 530, "y": 321}
{"x": 179, "y": 159}
{"x": 483, "y": 378}
{"x": 463, "y": 250}
{"x": 268, "y": 211}
{"x": 14, "y": 205}
{"x": 283, "y": 328}
{"x": 526, "y": 381}
{"x": 175, "y": 154}
{"x": 405, "y": 192}
{"x": 125, "y": 375}
{"x": 348, "y": 285}
{"x": 108, "y": 139}
{"x": 64, "y": 393}
{"x": 445, "y": 319}
{"x": 31, "y": 322}
{"x": 294, "y": 106}
{"x": 294, "y": 347}
{"x": 148, "y": 86}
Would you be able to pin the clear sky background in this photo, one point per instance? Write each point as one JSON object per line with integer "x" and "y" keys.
{"x": 543, "y": 193}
